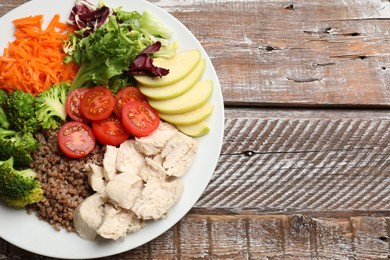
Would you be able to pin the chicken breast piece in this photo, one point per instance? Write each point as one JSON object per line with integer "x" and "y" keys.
{"x": 154, "y": 143}
{"x": 135, "y": 223}
{"x": 95, "y": 177}
{"x": 157, "y": 198}
{"x": 128, "y": 158}
{"x": 124, "y": 189}
{"x": 109, "y": 162}
{"x": 88, "y": 216}
{"x": 153, "y": 170}
{"x": 116, "y": 223}
{"x": 178, "y": 154}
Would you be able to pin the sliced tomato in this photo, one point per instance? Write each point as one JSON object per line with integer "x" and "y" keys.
{"x": 125, "y": 95}
{"x": 98, "y": 103}
{"x": 76, "y": 139}
{"x": 110, "y": 131}
{"x": 139, "y": 118}
{"x": 73, "y": 105}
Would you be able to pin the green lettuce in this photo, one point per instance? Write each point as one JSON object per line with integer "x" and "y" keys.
{"x": 106, "y": 54}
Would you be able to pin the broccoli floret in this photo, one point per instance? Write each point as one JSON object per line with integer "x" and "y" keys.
{"x": 50, "y": 106}
{"x": 4, "y": 123}
{"x": 20, "y": 111}
{"x": 18, "y": 188}
{"x": 18, "y": 145}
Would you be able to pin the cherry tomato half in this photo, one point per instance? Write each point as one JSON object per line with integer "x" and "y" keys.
{"x": 125, "y": 95}
{"x": 98, "y": 103}
{"x": 73, "y": 105}
{"x": 76, "y": 139}
{"x": 139, "y": 118}
{"x": 110, "y": 131}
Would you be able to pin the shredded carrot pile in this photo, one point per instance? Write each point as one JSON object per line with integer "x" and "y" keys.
{"x": 33, "y": 62}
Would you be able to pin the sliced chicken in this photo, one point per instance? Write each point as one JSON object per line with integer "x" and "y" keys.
{"x": 138, "y": 182}
{"x": 178, "y": 154}
{"x": 153, "y": 170}
{"x": 95, "y": 177}
{"x": 128, "y": 158}
{"x": 109, "y": 162}
{"x": 135, "y": 223}
{"x": 157, "y": 198}
{"x": 89, "y": 215}
{"x": 155, "y": 142}
{"x": 124, "y": 189}
{"x": 116, "y": 223}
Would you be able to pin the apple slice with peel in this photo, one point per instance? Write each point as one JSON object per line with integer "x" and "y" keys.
{"x": 180, "y": 65}
{"x": 177, "y": 88}
{"x": 193, "y": 99}
{"x": 191, "y": 117}
{"x": 194, "y": 130}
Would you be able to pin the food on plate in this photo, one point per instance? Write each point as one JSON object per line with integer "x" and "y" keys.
{"x": 110, "y": 131}
{"x": 72, "y": 105}
{"x": 193, "y": 99}
{"x": 18, "y": 188}
{"x": 189, "y": 118}
{"x": 139, "y": 118}
{"x": 76, "y": 139}
{"x": 179, "y": 66}
{"x": 125, "y": 95}
{"x": 19, "y": 107}
{"x": 183, "y": 103}
{"x": 143, "y": 62}
{"x": 177, "y": 88}
{"x": 50, "y": 106}
{"x": 16, "y": 143}
{"x": 97, "y": 103}
{"x": 88, "y": 216}
{"x": 102, "y": 161}
{"x": 105, "y": 54}
{"x": 33, "y": 62}
{"x": 63, "y": 179}
{"x": 129, "y": 191}
{"x": 197, "y": 129}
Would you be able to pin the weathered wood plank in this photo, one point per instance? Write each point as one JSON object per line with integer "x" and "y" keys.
{"x": 272, "y": 162}
{"x": 259, "y": 237}
{"x": 6, "y": 6}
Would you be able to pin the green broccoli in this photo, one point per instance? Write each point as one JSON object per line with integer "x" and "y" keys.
{"x": 20, "y": 111}
{"x": 50, "y": 104}
{"x": 18, "y": 145}
{"x": 4, "y": 123}
{"x": 18, "y": 188}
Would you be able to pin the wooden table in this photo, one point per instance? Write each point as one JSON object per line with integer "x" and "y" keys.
{"x": 304, "y": 171}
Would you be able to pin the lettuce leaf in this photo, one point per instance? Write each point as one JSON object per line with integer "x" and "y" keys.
{"x": 106, "y": 53}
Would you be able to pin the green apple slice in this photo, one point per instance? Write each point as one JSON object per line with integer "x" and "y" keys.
{"x": 194, "y": 130}
{"x": 193, "y": 99}
{"x": 177, "y": 88}
{"x": 179, "y": 66}
{"x": 189, "y": 118}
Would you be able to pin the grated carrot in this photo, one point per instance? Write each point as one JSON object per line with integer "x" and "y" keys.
{"x": 33, "y": 62}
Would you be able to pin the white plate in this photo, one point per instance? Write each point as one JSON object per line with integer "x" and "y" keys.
{"x": 29, "y": 233}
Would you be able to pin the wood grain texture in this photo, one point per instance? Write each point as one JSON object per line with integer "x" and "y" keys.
{"x": 301, "y": 53}
{"x": 6, "y": 6}
{"x": 302, "y": 163}
{"x": 258, "y": 237}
